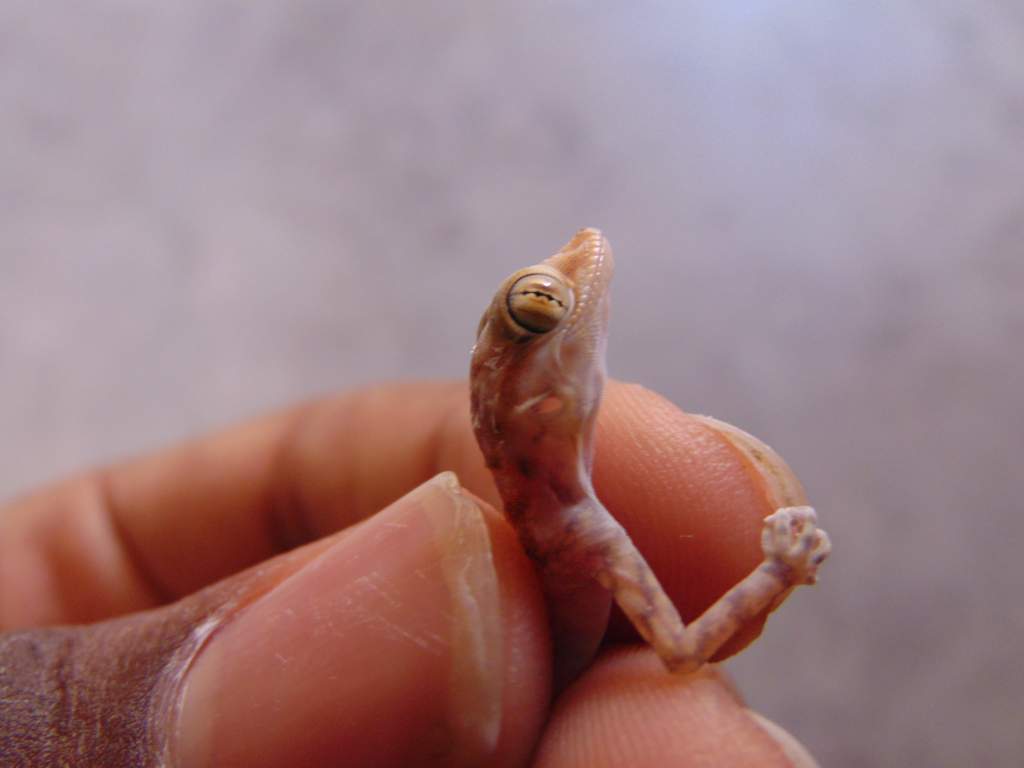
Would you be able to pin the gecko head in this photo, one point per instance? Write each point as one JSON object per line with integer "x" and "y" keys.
{"x": 539, "y": 355}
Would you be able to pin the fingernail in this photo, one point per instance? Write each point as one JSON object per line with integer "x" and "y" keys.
{"x": 794, "y": 751}
{"x": 783, "y": 487}
{"x": 385, "y": 648}
{"x": 468, "y": 569}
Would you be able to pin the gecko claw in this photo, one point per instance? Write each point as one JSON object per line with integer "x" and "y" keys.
{"x": 791, "y": 537}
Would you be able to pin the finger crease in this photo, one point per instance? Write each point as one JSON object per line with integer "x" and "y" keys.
{"x": 136, "y": 562}
{"x": 288, "y": 515}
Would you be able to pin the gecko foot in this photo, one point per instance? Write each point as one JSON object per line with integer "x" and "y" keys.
{"x": 791, "y": 537}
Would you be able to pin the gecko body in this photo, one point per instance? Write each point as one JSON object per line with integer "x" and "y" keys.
{"x": 536, "y": 379}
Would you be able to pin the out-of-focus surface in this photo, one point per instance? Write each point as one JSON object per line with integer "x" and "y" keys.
{"x": 209, "y": 208}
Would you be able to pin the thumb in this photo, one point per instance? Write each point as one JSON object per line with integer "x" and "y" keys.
{"x": 417, "y": 636}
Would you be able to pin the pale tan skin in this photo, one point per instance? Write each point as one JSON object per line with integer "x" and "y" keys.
{"x": 537, "y": 373}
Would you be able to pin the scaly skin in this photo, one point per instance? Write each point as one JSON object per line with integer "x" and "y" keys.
{"x": 536, "y": 379}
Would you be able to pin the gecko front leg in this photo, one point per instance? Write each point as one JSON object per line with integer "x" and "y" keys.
{"x": 793, "y": 549}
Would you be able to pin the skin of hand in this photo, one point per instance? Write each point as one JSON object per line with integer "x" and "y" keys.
{"x": 274, "y": 595}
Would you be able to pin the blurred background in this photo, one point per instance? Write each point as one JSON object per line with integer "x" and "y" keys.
{"x": 210, "y": 208}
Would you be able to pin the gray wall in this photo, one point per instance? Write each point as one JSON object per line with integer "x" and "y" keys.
{"x": 213, "y": 207}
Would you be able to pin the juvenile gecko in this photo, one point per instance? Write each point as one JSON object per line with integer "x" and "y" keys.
{"x": 536, "y": 379}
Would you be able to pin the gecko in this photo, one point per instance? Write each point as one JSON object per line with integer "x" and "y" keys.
{"x": 536, "y": 378}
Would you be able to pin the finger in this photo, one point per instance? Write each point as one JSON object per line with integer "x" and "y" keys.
{"x": 156, "y": 528}
{"x": 153, "y": 529}
{"x": 415, "y": 638}
{"x": 626, "y": 711}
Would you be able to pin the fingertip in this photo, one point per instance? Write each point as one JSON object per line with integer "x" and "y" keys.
{"x": 795, "y": 752}
{"x": 409, "y": 638}
{"x": 627, "y": 710}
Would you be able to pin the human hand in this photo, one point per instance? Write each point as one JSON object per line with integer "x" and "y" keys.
{"x": 240, "y": 600}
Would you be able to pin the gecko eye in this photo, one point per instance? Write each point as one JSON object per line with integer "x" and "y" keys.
{"x": 538, "y": 302}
